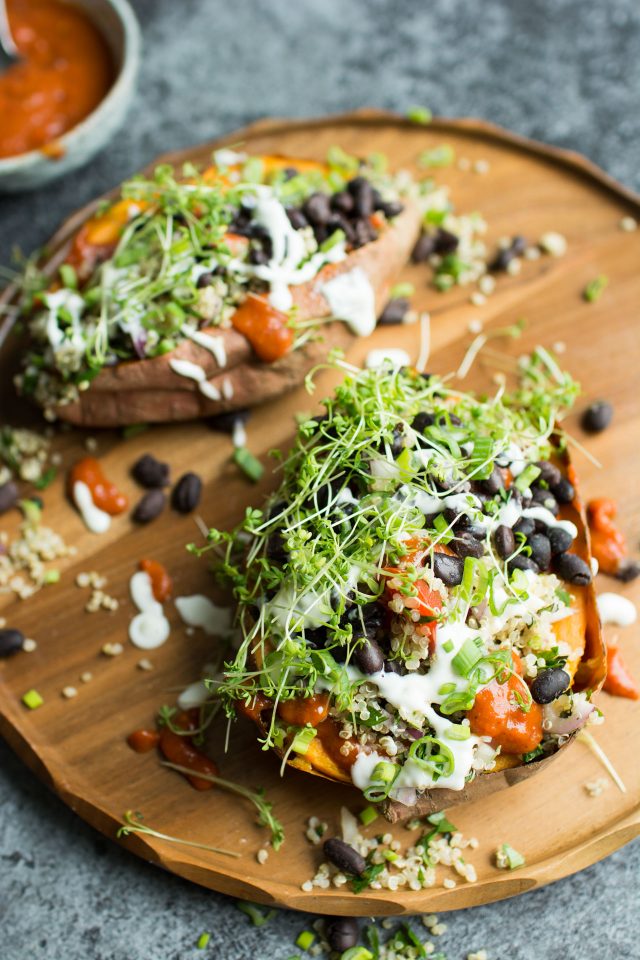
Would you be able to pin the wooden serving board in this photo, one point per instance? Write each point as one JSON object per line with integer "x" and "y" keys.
{"x": 78, "y": 746}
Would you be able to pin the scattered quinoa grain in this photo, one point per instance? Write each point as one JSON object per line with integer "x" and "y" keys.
{"x": 595, "y": 788}
{"x": 91, "y": 444}
{"x": 553, "y": 243}
{"x": 86, "y": 677}
{"x": 487, "y": 284}
{"x": 112, "y": 649}
{"x": 478, "y": 299}
{"x": 479, "y": 955}
{"x": 628, "y": 224}
{"x": 475, "y": 325}
{"x": 29, "y": 645}
{"x": 145, "y": 664}
{"x": 481, "y": 166}
{"x": 262, "y": 855}
{"x": 69, "y": 693}
{"x": 449, "y": 883}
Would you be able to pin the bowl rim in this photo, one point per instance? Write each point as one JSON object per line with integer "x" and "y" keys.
{"x": 123, "y": 82}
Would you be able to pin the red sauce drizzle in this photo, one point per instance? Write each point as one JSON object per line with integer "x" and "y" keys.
{"x": 161, "y": 584}
{"x": 142, "y": 741}
{"x": 496, "y": 714}
{"x": 305, "y": 710}
{"x": 106, "y": 495}
{"x": 179, "y": 749}
{"x": 266, "y": 328}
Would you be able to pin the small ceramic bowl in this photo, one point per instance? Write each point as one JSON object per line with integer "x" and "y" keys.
{"x": 117, "y": 22}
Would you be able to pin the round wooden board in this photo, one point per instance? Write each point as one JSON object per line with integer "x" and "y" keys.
{"x": 77, "y": 746}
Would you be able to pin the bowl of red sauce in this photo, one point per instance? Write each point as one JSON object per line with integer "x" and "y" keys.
{"x": 69, "y": 92}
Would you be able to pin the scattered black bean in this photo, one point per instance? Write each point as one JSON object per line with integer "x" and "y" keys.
{"x": 559, "y": 540}
{"x": 362, "y": 192}
{"x": 546, "y": 499}
{"x": 10, "y": 641}
{"x": 628, "y": 571}
{"x": 572, "y": 568}
{"x": 186, "y": 493}
{"x": 523, "y": 563}
{"x": 597, "y": 416}
{"x": 425, "y": 247}
{"x": 493, "y": 483}
{"x": 290, "y": 172}
{"x": 342, "y": 933}
{"x": 395, "y": 311}
{"x": 8, "y": 496}
{"x": 297, "y": 218}
{"x": 225, "y": 422}
{"x": 505, "y": 541}
{"x": 525, "y": 526}
{"x": 342, "y": 202}
{"x": 204, "y": 280}
{"x": 149, "y": 472}
{"x": 445, "y": 241}
{"x": 549, "y": 472}
{"x": 317, "y": 208}
{"x": 344, "y": 857}
{"x": 368, "y": 656}
{"x": 391, "y": 209}
{"x": 421, "y": 421}
{"x": 276, "y": 547}
{"x": 549, "y": 684}
{"x": 540, "y": 550}
{"x": 258, "y": 257}
{"x": 448, "y": 569}
{"x": 364, "y": 233}
{"x": 564, "y": 491}
{"x": 316, "y": 638}
{"x": 150, "y": 507}
{"x": 371, "y": 614}
{"x": 466, "y": 545}
{"x": 504, "y": 256}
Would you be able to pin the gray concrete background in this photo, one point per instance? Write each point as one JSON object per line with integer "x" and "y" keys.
{"x": 566, "y": 71}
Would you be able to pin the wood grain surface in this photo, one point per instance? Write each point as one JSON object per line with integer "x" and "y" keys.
{"x": 78, "y": 746}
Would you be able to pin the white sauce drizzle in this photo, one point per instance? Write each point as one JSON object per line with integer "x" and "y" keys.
{"x": 228, "y": 158}
{"x": 150, "y": 628}
{"x": 95, "y": 519}
{"x": 215, "y": 345}
{"x": 185, "y": 368}
{"x": 351, "y": 298}
{"x": 209, "y": 390}
{"x": 194, "y": 695}
{"x": 239, "y": 435}
{"x": 227, "y": 389}
{"x": 616, "y": 609}
{"x": 199, "y": 611}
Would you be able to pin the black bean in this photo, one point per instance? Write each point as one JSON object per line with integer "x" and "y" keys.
{"x": 523, "y": 563}
{"x": 317, "y": 208}
{"x": 392, "y": 208}
{"x": 466, "y": 545}
{"x": 448, "y": 420}
{"x": 364, "y": 232}
{"x": 339, "y": 222}
{"x": 421, "y": 421}
{"x": 150, "y": 507}
{"x": 342, "y": 202}
{"x": 371, "y": 614}
{"x": 550, "y": 684}
{"x": 8, "y": 496}
{"x": 149, "y": 472}
{"x": 424, "y": 248}
{"x": 316, "y": 638}
{"x": 10, "y": 641}
{"x": 564, "y": 491}
{"x": 572, "y": 568}
{"x": 186, "y": 493}
{"x": 448, "y": 569}
{"x": 627, "y": 571}
{"x": 525, "y": 526}
{"x": 362, "y": 192}
{"x": 505, "y": 541}
{"x": 257, "y": 256}
{"x": 226, "y": 422}
{"x": 504, "y": 256}
{"x": 368, "y": 656}
{"x": 297, "y": 218}
{"x": 394, "y": 312}
{"x": 559, "y": 540}
{"x": 276, "y": 547}
{"x": 549, "y": 472}
{"x": 344, "y": 857}
{"x": 493, "y": 483}
{"x": 546, "y": 499}
{"x": 445, "y": 241}
{"x": 540, "y": 550}
{"x": 342, "y": 933}
{"x": 290, "y": 172}
{"x": 204, "y": 280}
{"x": 597, "y": 417}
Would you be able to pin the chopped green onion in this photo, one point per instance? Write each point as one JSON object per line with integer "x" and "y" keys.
{"x": 433, "y": 756}
{"x": 421, "y": 115}
{"x": 255, "y": 914}
{"x": 203, "y": 941}
{"x": 466, "y": 658}
{"x": 524, "y": 480}
{"x": 441, "y": 156}
{"x": 367, "y": 816}
{"x": 336, "y": 237}
{"x": 32, "y": 699}
{"x": 382, "y": 779}
{"x": 253, "y": 170}
{"x": 441, "y": 525}
{"x": 441, "y": 821}
{"x": 510, "y": 856}
{"x": 402, "y": 291}
{"x": 594, "y": 290}
{"x": 390, "y": 855}
{"x": 68, "y": 276}
{"x": 31, "y": 510}
{"x": 46, "y": 479}
{"x": 305, "y": 939}
{"x": 458, "y": 731}
{"x": 481, "y": 464}
{"x": 447, "y": 646}
{"x": 51, "y": 576}
{"x": 248, "y": 463}
{"x": 356, "y": 953}
{"x": 302, "y": 740}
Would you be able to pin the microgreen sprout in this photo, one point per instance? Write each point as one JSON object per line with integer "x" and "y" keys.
{"x": 133, "y": 823}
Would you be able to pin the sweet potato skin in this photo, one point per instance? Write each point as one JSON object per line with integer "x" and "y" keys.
{"x": 149, "y": 391}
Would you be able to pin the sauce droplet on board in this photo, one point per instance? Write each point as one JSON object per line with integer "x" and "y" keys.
{"x": 161, "y": 584}
{"x": 104, "y": 494}
{"x": 142, "y": 741}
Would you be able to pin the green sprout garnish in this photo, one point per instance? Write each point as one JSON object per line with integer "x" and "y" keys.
{"x": 133, "y": 823}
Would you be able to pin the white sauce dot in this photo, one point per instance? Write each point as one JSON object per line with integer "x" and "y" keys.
{"x": 95, "y": 519}
{"x": 200, "y": 611}
{"x": 616, "y": 609}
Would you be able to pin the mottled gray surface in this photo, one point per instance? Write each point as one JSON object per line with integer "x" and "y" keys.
{"x": 561, "y": 70}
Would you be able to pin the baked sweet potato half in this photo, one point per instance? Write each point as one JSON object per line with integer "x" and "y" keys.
{"x": 211, "y": 291}
{"x": 416, "y": 601}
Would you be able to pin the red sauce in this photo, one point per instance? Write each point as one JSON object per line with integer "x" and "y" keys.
{"x": 65, "y": 71}
{"x": 608, "y": 544}
{"x": 255, "y": 707}
{"x": 496, "y": 714}
{"x": 179, "y": 749}
{"x": 161, "y": 584}
{"x": 619, "y": 682}
{"x": 142, "y": 741}
{"x": 328, "y": 734}
{"x": 106, "y": 495}
{"x": 266, "y": 328}
{"x": 305, "y": 710}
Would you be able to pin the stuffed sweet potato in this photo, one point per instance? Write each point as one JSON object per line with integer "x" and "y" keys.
{"x": 416, "y": 601}
{"x": 192, "y": 296}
